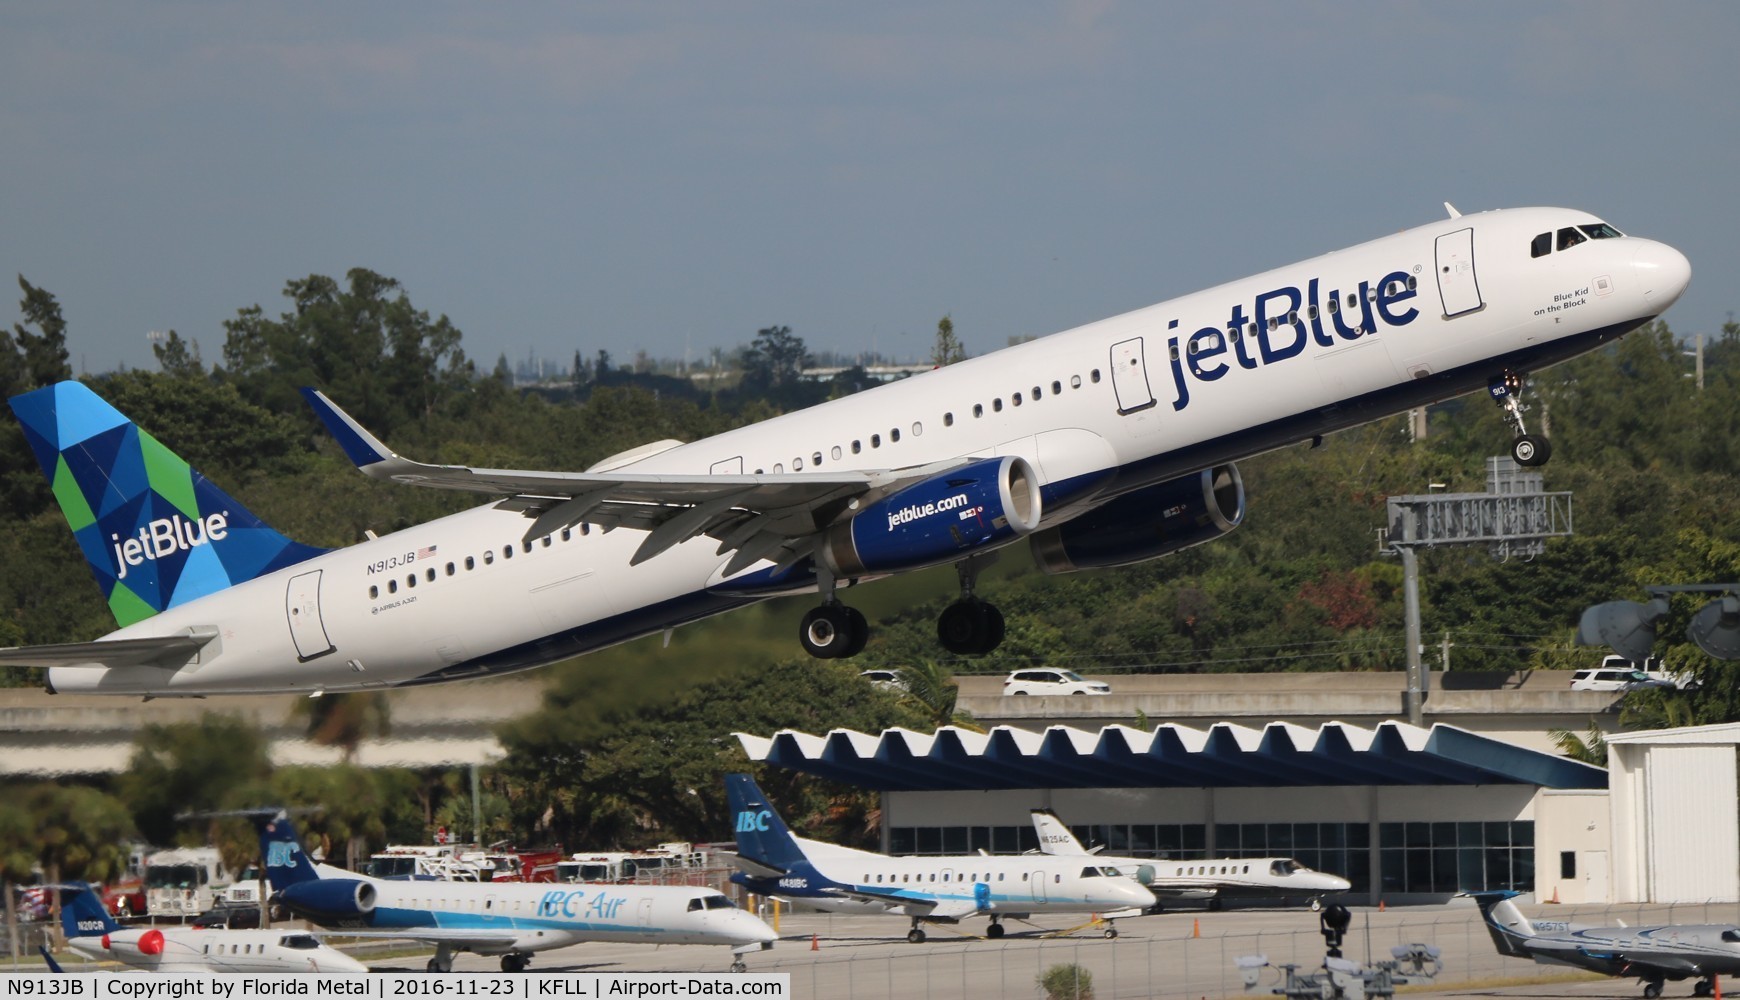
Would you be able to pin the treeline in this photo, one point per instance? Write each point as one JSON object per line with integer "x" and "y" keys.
{"x": 632, "y": 740}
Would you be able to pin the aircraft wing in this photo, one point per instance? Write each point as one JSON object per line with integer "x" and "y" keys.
{"x": 173, "y": 650}
{"x": 758, "y": 516}
{"x": 918, "y": 906}
{"x": 751, "y": 867}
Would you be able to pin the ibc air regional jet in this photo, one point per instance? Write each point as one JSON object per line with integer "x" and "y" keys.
{"x": 1212, "y": 879}
{"x": 941, "y": 889}
{"x": 510, "y": 919}
{"x": 1105, "y": 445}
{"x": 1651, "y": 954}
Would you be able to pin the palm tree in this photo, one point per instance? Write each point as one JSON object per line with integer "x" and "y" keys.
{"x": 1591, "y": 749}
{"x": 931, "y": 691}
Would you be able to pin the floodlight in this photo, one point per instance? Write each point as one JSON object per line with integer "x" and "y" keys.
{"x": 1716, "y": 629}
{"x": 1627, "y": 626}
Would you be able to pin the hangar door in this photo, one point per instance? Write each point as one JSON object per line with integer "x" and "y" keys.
{"x": 1457, "y": 285}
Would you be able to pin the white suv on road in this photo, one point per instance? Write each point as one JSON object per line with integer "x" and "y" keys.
{"x": 1048, "y": 680}
{"x": 1609, "y": 679}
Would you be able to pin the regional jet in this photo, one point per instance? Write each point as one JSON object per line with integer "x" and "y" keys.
{"x": 1106, "y": 445}
{"x": 510, "y": 919}
{"x": 943, "y": 888}
{"x": 1211, "y": 879}
{"x": 1651, "y": 954}
{"x": 91, "y": 932}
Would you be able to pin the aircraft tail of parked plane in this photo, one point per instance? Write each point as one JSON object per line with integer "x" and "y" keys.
{"x": 155, "y": 532}
{"x": 93, "y": 933}
{"x": 1651, "y": 954}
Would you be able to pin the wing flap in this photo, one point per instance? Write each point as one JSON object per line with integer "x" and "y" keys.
{"x": 167, "y": 650}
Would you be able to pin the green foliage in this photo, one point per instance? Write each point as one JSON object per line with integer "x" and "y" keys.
{"x": 1066, "y": 981}
{"x": 190, "y": 767}
{"x": 948, "y": 348}
{"x": 1590, "y": 749}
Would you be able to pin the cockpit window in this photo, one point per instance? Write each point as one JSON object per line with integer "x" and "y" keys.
{"x": 1601, "y": 231}
{"x": 1283, "y": 866}
{"x": 694, "y": 904}
{"x": 1541, "y": 245}
{"x": 1090, "y": 872}
{"x": 1731, "y": 935}
{"x": 1570, "y": 237}
{"x": 299, "y": 941}
{"x": 717, "y": 902}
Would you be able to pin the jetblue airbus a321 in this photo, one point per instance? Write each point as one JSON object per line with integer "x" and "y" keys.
{"x": 1105, "y": 445}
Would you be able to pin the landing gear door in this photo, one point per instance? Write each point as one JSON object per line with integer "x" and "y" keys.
{"x": 302, "y": 607}
{"x": 1130, "y": 376}
{"x": 1457, "y": 285}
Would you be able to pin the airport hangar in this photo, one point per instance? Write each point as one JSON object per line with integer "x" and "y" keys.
{"x": 1408, "y": 814}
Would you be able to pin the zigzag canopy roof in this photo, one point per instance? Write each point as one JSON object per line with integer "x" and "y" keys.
{"x": 1224, "y": 755}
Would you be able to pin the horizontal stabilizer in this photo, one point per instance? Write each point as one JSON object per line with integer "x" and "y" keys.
{"x": 157, "y": 650}
{"x": 750, "y": 867}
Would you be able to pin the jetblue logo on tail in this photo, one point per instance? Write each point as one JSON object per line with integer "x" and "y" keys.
{"x": 166, "y": 535}
{"x": 754, "y": 821}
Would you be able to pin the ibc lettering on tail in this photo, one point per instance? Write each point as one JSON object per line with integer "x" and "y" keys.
{"x": 751, "y": 821}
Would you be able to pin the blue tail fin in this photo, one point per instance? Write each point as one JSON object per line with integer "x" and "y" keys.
{"x": 82, "y": 913}
{"x": 286, "y": 865}
{"x": 761, "y": 835}
{"x": 155, "y": 532}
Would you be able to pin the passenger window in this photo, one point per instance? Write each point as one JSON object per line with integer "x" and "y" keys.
{"x": 797, "y": 464}
{"x": 1541, "y": 245}
{"x": 1075, "y": 381}
{"x": 1056, "y": 388}
{"x": 1095, "y": 375}
{"x": 1016, "y": 399}
{"x": 527, "y": 544}
{"x": 1174, "y": 352}
{"x": 507, "y": 551}
{"x": 894, "y": 436}
{"x": 857, "y": 447}
{"x": 452, "y": 569}
{"x": 1036, "y": 392}
{"x": 816, "y": 459}
{"x": 978, "y": 409}
{"x": 546, "y": 541}
{"x": 567, "y": 534}
{"x": 1570, "y": 237}
{"x": 997, "y": 404}
{"x": 875, "y": 440}
{"x": 837, "y": 454}
{"x": 374, "y": 592}
{"x": 411, "y": 581}
{"x": 429, "y": 574}
{"x": 489, "y": 557}
{"x": 779, "y": 468}
{"x": 917, "y": 429}
{"x": 948, "y": 420}
{"x": 1334, "y": 306}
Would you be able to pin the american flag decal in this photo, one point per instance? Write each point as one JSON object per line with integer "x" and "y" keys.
{"x": 425, "y": 553}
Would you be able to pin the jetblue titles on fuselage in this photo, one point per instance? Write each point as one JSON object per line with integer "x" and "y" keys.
{"x": 1281, "y": 323}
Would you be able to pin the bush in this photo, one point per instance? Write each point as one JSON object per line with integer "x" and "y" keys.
{"x": 1066, "y": 982}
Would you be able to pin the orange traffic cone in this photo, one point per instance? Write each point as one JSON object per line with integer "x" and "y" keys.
{"x": 1555, "y": 898}
{"x": 1380, "y": 906}
{"x": 815, "y": 943}
{"x": 1196, "y": 928}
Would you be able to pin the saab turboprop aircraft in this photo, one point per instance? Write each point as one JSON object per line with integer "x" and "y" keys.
{"x": 510, "y": 919}
{"x": 942, "y": 889}
{"x": 1651, "y": 954}
{"x": 1102, "y": 446}
{"x": 1212, "y": 879}
{"x": 91, "y": 932}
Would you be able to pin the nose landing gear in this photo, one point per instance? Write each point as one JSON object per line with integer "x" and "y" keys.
{"x": 1527, "y": 449}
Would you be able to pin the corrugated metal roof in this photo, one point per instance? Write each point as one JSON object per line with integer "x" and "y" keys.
{"x": 1224, "y": 755}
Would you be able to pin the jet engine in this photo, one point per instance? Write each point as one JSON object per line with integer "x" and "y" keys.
{"x": 938, "y": 520}
{"x": 149, "y": 942}
{"x": 330, "y": 898}
{"x": 1145, "y": 524}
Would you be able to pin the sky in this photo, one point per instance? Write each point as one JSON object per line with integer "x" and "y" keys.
{"x": 672, "y": 177}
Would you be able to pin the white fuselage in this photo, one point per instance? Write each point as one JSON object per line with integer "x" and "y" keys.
{"x": 520, "y": 917}
{"x": 1097, "y": 411}
{"x": 1029, "y": 883}
{"x": 187, "y": 949}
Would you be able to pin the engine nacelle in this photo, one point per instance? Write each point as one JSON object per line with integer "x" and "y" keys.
{"x": 1147, "y": 523}
{"x": 134, "y": 942}
{"x": 938, "y": 520}
{"x": 330, "y": 898}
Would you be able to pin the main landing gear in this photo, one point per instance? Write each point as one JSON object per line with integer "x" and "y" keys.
{"x": 443, "y": 960}
{"x": 1527, "y": 449}
{"x": 1703, "y": 988}
{"x": 1652, "y": 989}
{"x": 916, "y": 935}
{"x": 832, "y": 631}
{"x": 515, "y": 962}
{"x": 970, "y": 627}
{"x": 996, "y": 929}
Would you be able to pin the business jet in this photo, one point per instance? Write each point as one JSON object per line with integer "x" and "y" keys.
{"x": 1651, "y": 954}
{"x": 510, "y": 919}
{"x": 91, "y": 932}
{"x": 1211, "y": 879}
{"x": 1106, "y": 445}
{"x": 940, "y": 889}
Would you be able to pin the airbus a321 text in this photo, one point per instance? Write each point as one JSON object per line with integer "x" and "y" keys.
{"x": 1105, "y": 445}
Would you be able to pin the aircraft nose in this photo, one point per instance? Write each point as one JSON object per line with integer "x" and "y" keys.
{"x": 755, "y": 930}
{"x": 1661, "y": 271}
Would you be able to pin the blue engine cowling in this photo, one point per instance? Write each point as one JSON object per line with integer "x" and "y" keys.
{"x": 329, "y": 898}
{"x": 938, "y": 520}
{"x": 1147, "y": 523}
